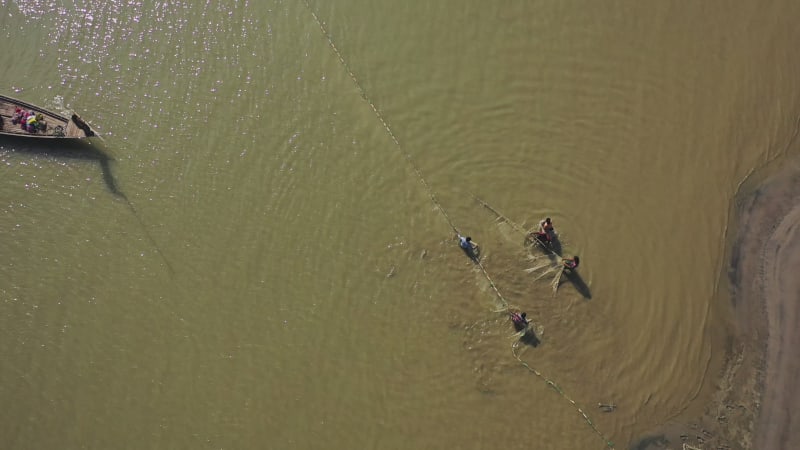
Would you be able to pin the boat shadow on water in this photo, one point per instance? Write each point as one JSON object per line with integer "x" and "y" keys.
{"x": 89, "y": 150}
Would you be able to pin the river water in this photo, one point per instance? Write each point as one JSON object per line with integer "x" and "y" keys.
{"x": 266, "y": 259}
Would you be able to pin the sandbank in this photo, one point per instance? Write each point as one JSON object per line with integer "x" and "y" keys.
{"x": 753, "y": 406}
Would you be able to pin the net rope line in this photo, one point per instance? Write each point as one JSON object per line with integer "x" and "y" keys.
{"x": 514, "y": 346}
{"x": 535, "y": 242}
{"x": 440, "y": 208}
{"x": 516, "y": 227}
{"x": 563, "y": 394}
{"x": 405, "y": 154}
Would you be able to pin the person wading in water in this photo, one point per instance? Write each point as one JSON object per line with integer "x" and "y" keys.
{"x": 469, "y": 247}
{"x": 519, "y": 320}
{"x": 571, "y": 264}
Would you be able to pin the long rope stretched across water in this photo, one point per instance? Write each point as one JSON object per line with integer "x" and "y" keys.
{"x": 405, "y": 154}
{"x": 434, "y": 200}
{"x": 558, "y": 389}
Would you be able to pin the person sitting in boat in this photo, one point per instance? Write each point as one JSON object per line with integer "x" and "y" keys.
{"x": 32, "y": 123}
{"x": 520, "y": 321}
{"x": 27, "y": 120}
{"x": 23, "y": 120}
{"x": 469, "y": 247}
{"x": 17, "y": 117}
{"x": 41, "y": 125}
{"x": 571, "y": 264}
{"x": 35, "y": 122}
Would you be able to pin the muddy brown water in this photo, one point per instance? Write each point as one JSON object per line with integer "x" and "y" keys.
{"x": 258, "y": 262}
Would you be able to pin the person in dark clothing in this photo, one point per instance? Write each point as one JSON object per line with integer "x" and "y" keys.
{"x": 469, "y": 247}
{"x": 519, "y": 320}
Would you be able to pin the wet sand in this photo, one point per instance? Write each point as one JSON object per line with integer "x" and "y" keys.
{"x": 758, "y": 389}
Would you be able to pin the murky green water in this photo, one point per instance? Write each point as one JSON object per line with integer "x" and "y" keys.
{"x": 262, "y": 264}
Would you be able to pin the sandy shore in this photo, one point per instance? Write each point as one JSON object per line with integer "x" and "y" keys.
{"x": 759, "y": 387}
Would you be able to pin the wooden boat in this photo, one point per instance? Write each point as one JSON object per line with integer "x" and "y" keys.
{"x": 49, "y": 124}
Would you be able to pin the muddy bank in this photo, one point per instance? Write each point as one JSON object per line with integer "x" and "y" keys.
{"x": 751, "y": 407}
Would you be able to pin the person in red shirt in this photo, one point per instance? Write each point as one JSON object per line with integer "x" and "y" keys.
{"x": 571, "y": 264}
{"x": 519, "y": 320}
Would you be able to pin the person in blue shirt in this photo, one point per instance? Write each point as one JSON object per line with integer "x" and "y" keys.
{"x": 469, "y": 247}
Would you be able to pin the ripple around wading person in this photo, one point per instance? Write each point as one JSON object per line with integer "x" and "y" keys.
{"x": 547, "y": 240}
{"x": 466, "y": 244}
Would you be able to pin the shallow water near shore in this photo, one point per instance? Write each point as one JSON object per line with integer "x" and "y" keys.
{"x": 261, "y": 262}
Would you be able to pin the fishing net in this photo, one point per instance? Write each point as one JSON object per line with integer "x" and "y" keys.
{"x": 529, "y": 335}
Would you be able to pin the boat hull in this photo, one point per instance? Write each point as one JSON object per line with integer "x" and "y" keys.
{"x": 57, "y": 126}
